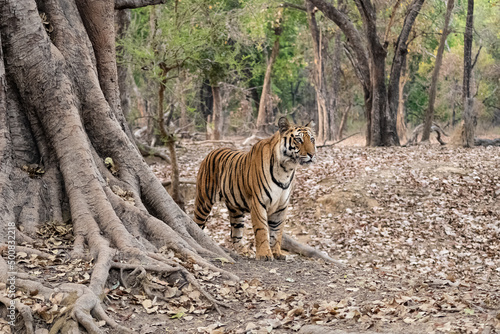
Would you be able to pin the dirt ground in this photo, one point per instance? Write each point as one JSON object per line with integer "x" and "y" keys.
{"x": 418, "y": 229}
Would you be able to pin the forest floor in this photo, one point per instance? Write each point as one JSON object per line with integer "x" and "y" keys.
{"x": 418, "y": 229}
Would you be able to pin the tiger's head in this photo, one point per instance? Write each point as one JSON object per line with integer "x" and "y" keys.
{"x": 297, "y": 142}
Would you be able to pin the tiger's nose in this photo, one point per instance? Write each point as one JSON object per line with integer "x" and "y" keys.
{"x": 312, "y": 157}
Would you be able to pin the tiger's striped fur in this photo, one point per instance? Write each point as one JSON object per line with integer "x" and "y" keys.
{"x": 259, "y": 181}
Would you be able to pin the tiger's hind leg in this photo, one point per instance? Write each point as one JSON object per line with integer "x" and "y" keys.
{"x": 237, "y": 219}
{"x": 202, "y": 208}
{"x": 276, "y": 223}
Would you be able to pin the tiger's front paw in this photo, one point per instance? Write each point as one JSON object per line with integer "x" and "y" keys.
{"x": 278, "y": 255}
{"x": 265, "y": 255}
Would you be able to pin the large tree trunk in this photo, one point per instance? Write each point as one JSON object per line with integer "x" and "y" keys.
{"x": 401, "y": 114}
{"x": 429, "y": 115}
{"x": 379, "y": 122}
{"x": 395, "y": 89}
{"x": 61, "y": 111}
{"x": 266, "y": 88}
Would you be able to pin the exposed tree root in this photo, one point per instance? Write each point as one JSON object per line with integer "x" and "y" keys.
{"x": 32, "y": 286}
{"x": 169, "y": 269}
{"x": 486, "y": 142}
{"x": 27, "y": 250}
{"x": 21, "y": 237}
{"x": 292, "y": 245}
{"x": 124, "y": 212}
{"x": 419, "y": 129}
{"x": 23, "y": 310}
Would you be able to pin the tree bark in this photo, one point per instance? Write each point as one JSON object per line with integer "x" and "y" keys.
{"x": 59, "y": 110}
{"x": 318, "y": 77}
{"x": 206, "y": 99}
{"x": 401, "y": 114}
{"x": 122, "y": 22}
{"x": 343, "y": 122}
{"x": 161, "y": 111}
{"x": 399, "y": 61}
{"x": 469, "y": 118}
{"x": 429, "y": 115}
{"x": 334, "y": 110}
{"x": 181, "y": 96}
{"x": 217, "y": 113}
{"x": 266, "y": 88}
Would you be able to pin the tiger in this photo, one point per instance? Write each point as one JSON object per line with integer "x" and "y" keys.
{"x": 259, "y": 181}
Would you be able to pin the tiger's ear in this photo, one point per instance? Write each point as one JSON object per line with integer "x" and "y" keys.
{"x": 310, "y": 124}
{"x": 283, "y": 124}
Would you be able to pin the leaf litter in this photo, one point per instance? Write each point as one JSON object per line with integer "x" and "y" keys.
{"x": 418, "y": 228}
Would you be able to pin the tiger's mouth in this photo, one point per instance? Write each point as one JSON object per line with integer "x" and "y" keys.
{"x": 308, "y": 159}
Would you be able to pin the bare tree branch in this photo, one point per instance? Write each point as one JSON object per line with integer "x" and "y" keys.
{"x": 292, "y": 5}
{"x": 338, "y": 141}
{"x": 391, "y": 21}
{"x": 477, "y": 56}
{"x": 354, "y": 38}
{"x": 130, "y": 4}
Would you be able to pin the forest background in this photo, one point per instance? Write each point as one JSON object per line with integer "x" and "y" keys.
{"x": 101, "y": 246}
{"x": 188, "y": 48}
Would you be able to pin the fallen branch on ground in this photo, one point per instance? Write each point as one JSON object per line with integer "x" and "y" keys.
{"x": 252, "y": 139}
{"x": 339, "y": 141}
{"x": 205, "y": 142}
{"x": 147, "y": 151}
{"x": 184, "y": 181}
{"x": 486, "y": 142}
{"x": 291, "y": 245}
{"x": 435, "y": 127}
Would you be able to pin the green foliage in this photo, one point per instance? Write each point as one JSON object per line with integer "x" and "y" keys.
{"x": 229, "y": 41}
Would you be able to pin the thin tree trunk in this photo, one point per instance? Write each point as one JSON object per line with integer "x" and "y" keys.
{"x": 454, "y": 104}
{"x": 401, "y": 115}
{"x": 261, "y": 116}
{"x": 175, "y": 185}
{"x": 161, "y": 111}
{"x": 318, "y": 77}
{"x": 206, "y": 99}
{"x": 217, "y": 113}
{"x": 343, "y": 122}
{"x": 334, "y": 113}
{"x": 429, "y": 115}
{"x": 181, "y": 83}
{"x": 122, "y": 18}
{"x": 468, "y": 99}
